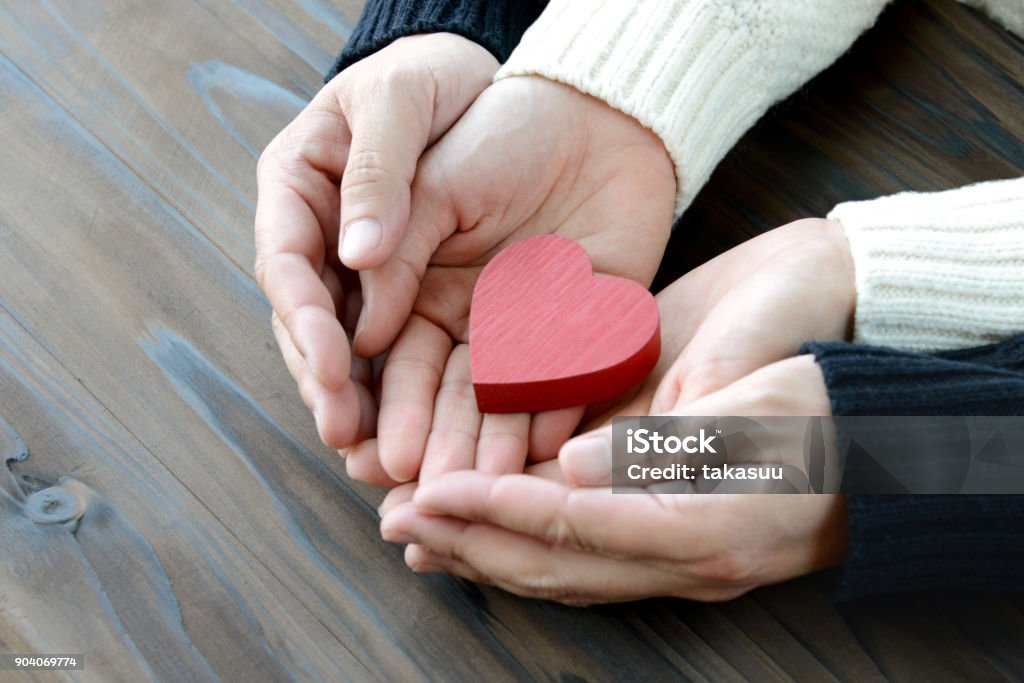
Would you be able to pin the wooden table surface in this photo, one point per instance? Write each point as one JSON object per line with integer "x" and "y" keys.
{"x": 217, "y": 539}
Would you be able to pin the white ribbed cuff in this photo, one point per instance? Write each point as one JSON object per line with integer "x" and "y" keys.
{"x": 698, "y": 73}
{"x": 938, "y": 271}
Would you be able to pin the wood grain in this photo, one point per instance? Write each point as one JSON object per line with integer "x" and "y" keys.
{"x": 545, "y": 333}
{"x": 212, "y": 538}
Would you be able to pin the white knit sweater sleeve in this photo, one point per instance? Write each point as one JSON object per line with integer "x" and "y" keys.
{"x": 698, "y": 73}
{"x": 938, "y": 271}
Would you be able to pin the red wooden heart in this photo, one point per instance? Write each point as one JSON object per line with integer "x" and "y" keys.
{"x": 546, "y": 333}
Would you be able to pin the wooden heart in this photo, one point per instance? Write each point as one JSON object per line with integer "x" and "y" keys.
{"x": 546, "y": 333}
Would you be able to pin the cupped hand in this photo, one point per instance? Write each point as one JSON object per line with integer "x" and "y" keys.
{"x": 529, "y": 157}
{"x": 349, "y": 160}
{"x": 751, "y": 306}
{"x": 539, "y": 537}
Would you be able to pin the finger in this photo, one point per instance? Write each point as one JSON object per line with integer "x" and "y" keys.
{"x": 550, "y": 429}
{"x": 582, "y": 518}
{"x": 423, "y": 560}
{"x": 456, "y": 425}
{"x": 343, "y": 415}
{"x": 409, "y": 386}
{"x": 297, "y": 216}
{"x": 522, "y": 564}
{"x": 504, "y": 442}
{"x": 390, "y": 130}
{"x": 346, "y": 416}
{"x": 399, "y": 495}
{"x": 587, "y": 459}
{"x": 305, "y": 307}
{"x": 390, "y": 290}
{"x": 363, "y": 464}
{"x": 293, "y": 360}
{"x": 410, "y": 107}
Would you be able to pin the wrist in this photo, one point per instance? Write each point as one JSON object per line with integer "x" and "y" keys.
{"x": 844, "y": 274}
{"x": 938, "y": 271}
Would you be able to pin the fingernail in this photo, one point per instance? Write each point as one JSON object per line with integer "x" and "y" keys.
{"x": 588, "y": 459}
{"x": 361, "y": 237}
{"x": 394, "y": 535}
{"x": 427, "y": 568}
{"x": 386, "y": 506}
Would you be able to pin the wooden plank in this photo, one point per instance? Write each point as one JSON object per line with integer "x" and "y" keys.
{"x": 204, "y": 86}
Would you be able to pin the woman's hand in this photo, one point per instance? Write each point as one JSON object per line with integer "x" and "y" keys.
{"x": 349, "y": 160}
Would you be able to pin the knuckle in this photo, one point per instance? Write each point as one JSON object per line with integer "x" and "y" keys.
{"x": 726, "y": 570}
{"x": 411, "y": 80}
{"x": 298, "y": 150}
{"x": 365, "y": 172}
{"x": 457, "y": 390}
{"x": 292, "y": 151}
{"x": 397, "y": 76}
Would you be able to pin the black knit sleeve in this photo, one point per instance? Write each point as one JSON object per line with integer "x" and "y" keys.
{"x": 928, "y": 542}
{"x": 496, "y": 25}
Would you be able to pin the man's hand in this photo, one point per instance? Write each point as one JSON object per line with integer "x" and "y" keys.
{"x": 349, "y": 160}
{"x": 529, "y": 157}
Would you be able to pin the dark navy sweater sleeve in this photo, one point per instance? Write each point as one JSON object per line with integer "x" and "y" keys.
{"x": 496, "y": 25}
{"x": 928, "y": 542}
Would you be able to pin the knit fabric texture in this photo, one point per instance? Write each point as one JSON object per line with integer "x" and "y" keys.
{"x": 928, "y": 542}
{"x": 495, "y": 25}
{"x": 698, "y": 73}
{"x": 938, "y": 271}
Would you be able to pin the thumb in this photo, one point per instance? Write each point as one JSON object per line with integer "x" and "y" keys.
{"x": 387, "y": 142}
{"x": 586, "y": 460}
{"x": 390, "y": 290}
